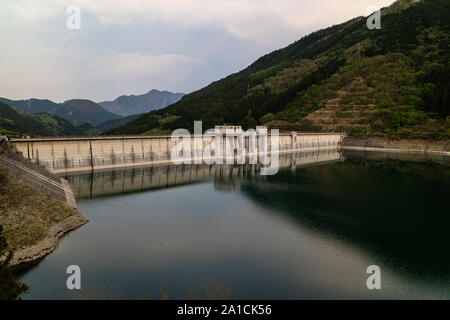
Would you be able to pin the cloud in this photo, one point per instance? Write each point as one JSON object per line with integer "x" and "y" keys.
{"x": 64, "y": 74}
{"x": 246, "y": 19}
{"x": 132, "y": 46}
{"x": 34, "y": 10}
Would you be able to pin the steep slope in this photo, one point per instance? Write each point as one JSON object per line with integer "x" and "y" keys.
{"x": 131, "y": 105}
{"x": 392, "y": 81}
{"x": 79, "y": 111}
{"x": 43, "y": 124}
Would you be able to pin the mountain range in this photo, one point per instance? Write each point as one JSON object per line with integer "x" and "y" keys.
{"x": 135, "y": 104}
{"x": 76, "y": 111}
{"x": 392, "y": 81}
{"x": 44, "y": 117}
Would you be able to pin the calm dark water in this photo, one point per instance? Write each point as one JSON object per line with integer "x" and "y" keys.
{"x": 308, "y": 232}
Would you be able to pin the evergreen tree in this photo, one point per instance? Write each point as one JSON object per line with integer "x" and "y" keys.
{"x": 249, "y": 121}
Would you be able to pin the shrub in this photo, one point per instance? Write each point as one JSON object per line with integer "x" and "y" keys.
{"x": 267, "y": 118}
{"x": 357, "y": 130}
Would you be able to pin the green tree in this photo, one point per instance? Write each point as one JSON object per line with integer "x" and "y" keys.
{"x": 10, "y": 288}
{"x": 267, "y": 118}
{"x": 249, "y": 121}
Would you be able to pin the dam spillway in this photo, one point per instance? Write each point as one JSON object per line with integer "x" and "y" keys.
{"x": 65, "y": 155}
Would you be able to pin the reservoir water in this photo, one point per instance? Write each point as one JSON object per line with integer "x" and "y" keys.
{"x": 309, "y": 232}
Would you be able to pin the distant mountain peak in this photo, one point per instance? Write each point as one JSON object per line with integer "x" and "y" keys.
{"x": 154, "y": 99}
{"x": 80, "y": 111}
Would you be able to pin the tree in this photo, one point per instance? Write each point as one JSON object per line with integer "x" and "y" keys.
{"x": 267, "y": 118}
{"x": 10, "y": 288}
{"x": 249, "y": 121}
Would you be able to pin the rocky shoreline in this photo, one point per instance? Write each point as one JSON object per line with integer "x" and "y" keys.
{"x": 438, "y": 147}
{"x": 50, "y": 243}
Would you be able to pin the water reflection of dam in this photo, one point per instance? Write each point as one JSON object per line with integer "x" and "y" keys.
{"x": 102, "y": 183}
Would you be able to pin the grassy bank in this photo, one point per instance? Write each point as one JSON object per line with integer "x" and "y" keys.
{"x": 26, "y": 214}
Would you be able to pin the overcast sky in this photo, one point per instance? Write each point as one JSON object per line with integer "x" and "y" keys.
{"x": 132, "y": 46}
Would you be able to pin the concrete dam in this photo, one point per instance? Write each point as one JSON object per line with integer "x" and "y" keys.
{"x": 81, "y": 154}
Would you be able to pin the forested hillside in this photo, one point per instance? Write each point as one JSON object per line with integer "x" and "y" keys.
{"x": 17, "y": 121}
{"x": 111, "y": 124}
{"x": 389, "y": 82}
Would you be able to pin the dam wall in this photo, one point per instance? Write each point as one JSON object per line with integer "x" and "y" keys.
{"x": 63, "y": 155}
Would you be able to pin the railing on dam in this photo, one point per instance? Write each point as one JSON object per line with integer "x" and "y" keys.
{"x": 61, "y": 155}
{"x": 124, "y": 180}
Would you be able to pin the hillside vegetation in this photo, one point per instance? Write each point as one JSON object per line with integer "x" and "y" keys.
{"x": 390, "y": 82}
{"x": 115, "y": 123}
{"x": 26, "y": 214}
